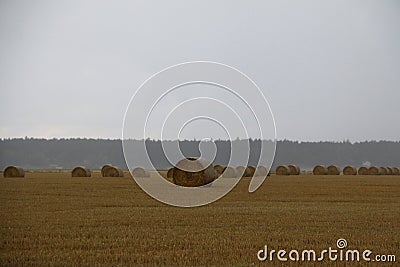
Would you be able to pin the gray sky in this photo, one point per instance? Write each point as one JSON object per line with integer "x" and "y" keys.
{"x": 330, "y": 71}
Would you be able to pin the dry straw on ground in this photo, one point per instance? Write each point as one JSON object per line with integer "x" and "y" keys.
{"x": 374, "y": 170}
{"x": 184, "y": 177}
{"x": 294, "y": 169}
{"x": 81, "y": 171}
{"x": 111, "y": 171}
{"x": 140, "y": 172}
{"x": 320, "y": 170}
{"x": 13, "y": 171}
{"x": 282, "y": 170}
{"x": 333, "y": 170}
{"x": 51, "y": 219}
{"x": 229, "y": 172}
{"x": 383, "y": 170}
{"x": 363, "y": 170}
{"x": 261, "y": 171}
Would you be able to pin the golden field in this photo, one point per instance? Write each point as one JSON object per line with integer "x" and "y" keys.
{"x": 49, "y": 218}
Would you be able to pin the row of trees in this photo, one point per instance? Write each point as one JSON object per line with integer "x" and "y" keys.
{"x": 66, "y": 153}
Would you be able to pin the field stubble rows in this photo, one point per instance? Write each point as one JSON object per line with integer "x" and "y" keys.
{"x": 51, "y": 218}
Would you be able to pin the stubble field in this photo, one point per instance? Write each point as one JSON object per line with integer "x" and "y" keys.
{"x": 49, "y": 218}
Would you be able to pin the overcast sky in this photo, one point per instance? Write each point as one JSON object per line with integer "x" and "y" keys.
{"x": 330, "y": 71}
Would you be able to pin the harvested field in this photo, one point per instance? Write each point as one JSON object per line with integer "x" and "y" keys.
{"x": 51, "y": 218}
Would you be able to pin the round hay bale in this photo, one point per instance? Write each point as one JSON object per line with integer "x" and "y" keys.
{"x": 396, "y": 171}
{"x": 140, "y": 172}
{"x": 282, "y": 170}
{"x": 363, "y": 171}
{"x": 374, "y": 170}
{"x": 81, "y": 171}
{"x": 245, "y": 171}
{"x": 250, "y": 171}
{"x": 294, "y": 170}
{"x": 241, "y": 171}
{"x": 13, "y": 171}
{"x": 104, "y": 168}
{"x": 111, "y": 171}
{"x": 261, "y": 171}
{"x": 170, "y": 173}
{"x": 229, "y": 172}
{"x": 383, "y": 170}
{"x": 333, "y": 170}
{"x": 218, "y": 169}
{"x": 389, "y": 171}
{"x": 349, "y": 170}
{"x": 320, "y": 170}
{"x": 184, "y": 177}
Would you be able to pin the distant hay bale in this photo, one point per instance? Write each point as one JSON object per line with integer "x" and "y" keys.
{"x": 349, "y": 170}
{"x": 170, "y": 173}
{"x": 111, "y": 171}
{"x": 183, "y": 175}
{"x": 219, "y": 169}
{"x": 13, "y": 171}
{"x": 294, "y": 169}
{"x": 389, "y": 171}
{"x": 250, "y": 171}
{"x": 81, "y": 171}
{"x": 282, "y": 170}
{"x": 363, "y": 171}
{"x": 374, "y": 170}
{"x": 383, "y": 170}
{"x": 261, "y": 171}
{"x": 333, "y": 170}
{"x": 229, "y": 172}
{"x": 245, "y": 171}
{"x": 396, "y": 171}
{"x": 240, "y": 171}
{"x": 104, "y": 168}
{"x": 140, "y": 172}
{"x": 320, "y": 170}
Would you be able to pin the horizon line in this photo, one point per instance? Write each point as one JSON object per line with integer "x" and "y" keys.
{"x": 194, "y": 140}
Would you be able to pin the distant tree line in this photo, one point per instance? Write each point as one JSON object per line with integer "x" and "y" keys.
{"x": 33, "y": 153}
